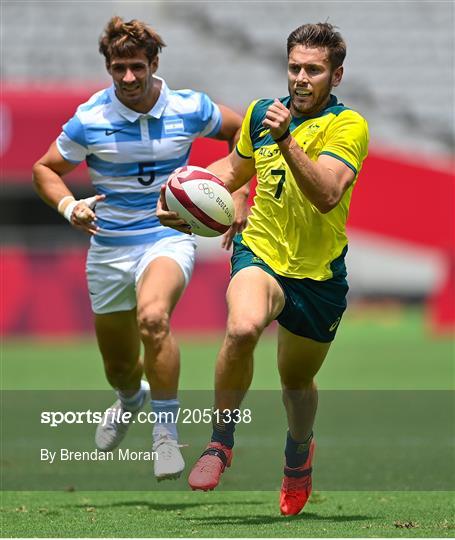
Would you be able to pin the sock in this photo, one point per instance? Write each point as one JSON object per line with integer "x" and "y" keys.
{"x": 296, "y": 452}
{"x": 223, "y": 430}
{"x": 131, "y": 403}
{"x": 166, "y": 411}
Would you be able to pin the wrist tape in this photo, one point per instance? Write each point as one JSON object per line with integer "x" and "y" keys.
{"x": 67, "y": 209}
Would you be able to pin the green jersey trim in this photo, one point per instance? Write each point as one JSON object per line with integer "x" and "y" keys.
{"x": 240, "y": 153}
{"x": 331, "y": 154}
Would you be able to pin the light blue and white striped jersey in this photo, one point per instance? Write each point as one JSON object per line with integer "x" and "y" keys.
{"x": 130, "y": 155}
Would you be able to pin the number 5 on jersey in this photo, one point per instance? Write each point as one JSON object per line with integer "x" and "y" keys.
{"x": 143, "y": 172}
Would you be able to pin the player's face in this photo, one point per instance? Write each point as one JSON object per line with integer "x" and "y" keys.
{"x": 133, "y": 80}
{"x": 310, "y": 79}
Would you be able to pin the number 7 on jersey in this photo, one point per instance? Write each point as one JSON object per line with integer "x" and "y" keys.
{"x": 282, "y": 174}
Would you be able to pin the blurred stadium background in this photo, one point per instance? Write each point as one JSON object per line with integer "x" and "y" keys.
{"x": 399, "y": 74}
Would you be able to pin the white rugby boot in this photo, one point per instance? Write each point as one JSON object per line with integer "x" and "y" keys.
{"x": 110, "y": 432}
{"x": 168, "y": 463}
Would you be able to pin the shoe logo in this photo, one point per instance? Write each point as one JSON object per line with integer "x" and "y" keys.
{"x": 111, "y": 131}
{"x": 335, "y": 324}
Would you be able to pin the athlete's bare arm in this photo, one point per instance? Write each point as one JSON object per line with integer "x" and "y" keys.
{"x": 230, "y": 131}
{"x": 47, "y": 178}
{"x": 234, "y": 170}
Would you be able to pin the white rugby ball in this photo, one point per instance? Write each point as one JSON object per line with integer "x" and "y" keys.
{"x": 201, "y": 199}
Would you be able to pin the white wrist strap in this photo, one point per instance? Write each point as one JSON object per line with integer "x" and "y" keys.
{"x": 62, "y": 202}
{"x": 68, "y": 212}
{"x": 69, "y": 208}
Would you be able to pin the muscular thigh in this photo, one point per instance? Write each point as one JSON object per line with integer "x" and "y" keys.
{"x": 164, "y": 272}
{"x": 160, "y": 286}
{"x": 299, "y": 358}
{"x": 118, "y": 337}
{"x": 254, "y": 295}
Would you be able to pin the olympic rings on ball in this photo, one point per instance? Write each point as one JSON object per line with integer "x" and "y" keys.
{"x": 206, "y": 189}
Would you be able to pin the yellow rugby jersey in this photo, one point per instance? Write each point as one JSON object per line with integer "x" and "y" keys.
{"x": 284, "y": 229}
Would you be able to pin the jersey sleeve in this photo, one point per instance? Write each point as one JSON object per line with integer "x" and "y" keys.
{"x": 210, "y": 117}
{"x": 244, "y": 145}
{"x": 347, "y": 139}
{"x": 71, "y": 142}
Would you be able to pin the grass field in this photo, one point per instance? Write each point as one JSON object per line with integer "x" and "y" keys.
{"x": 374, "y": 351}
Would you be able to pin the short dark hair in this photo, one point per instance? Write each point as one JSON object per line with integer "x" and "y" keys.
{"x": 124, "y": 39}
{"x": 320, "y": 35}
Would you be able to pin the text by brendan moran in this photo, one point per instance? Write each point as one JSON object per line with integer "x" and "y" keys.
{"x": 64, "y": 454}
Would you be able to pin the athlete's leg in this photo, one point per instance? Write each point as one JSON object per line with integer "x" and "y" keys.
{"x": 254, "y": 299}
{"x": 158, "y": 290}
{"x": 119, "y": 344}
{"x": 299, "y": 359}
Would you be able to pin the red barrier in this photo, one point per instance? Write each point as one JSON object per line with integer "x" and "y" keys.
{"x": 404, "y": 199}
{"x": 45, "y": 293}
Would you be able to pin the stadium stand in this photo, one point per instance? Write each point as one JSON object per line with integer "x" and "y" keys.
{"x": 397, "y": 68}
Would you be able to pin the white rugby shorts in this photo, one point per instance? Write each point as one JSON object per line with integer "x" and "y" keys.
{"x": 113, "y": 272}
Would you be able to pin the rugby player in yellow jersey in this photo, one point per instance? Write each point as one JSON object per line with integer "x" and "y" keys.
{"x": 288, "y": 264}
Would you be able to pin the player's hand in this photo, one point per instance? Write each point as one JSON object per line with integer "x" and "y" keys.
{"x": 83, "y": 216}
{"x": 277, "y": 119}
{"x": 241, "y": 218}
{"x": 168, "y": 218}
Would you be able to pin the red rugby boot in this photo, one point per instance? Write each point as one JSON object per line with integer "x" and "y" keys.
{"x": 296, "y": 486}
{"x": 208, "y": 469}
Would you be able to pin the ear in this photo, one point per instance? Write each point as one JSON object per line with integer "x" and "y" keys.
{"x": 154, "y": 64}
{"x": 337, "y": 75}
{"x": 108, "y": 67}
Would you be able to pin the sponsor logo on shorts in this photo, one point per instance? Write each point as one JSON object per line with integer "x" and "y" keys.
{"x": 335, "y": 324}
{"x": 256, "y": 260}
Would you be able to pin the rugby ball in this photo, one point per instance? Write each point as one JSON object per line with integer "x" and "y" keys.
{"x": 201, "y": 199}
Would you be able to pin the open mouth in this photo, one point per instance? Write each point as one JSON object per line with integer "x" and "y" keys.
{"x": 302, "y": 93}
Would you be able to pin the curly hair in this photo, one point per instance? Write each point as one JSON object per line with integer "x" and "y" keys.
{"x": 124, "y": 39}
{"x": 320, "y": 35}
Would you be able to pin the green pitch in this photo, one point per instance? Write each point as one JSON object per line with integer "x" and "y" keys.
{"x": 374, "y": 351}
